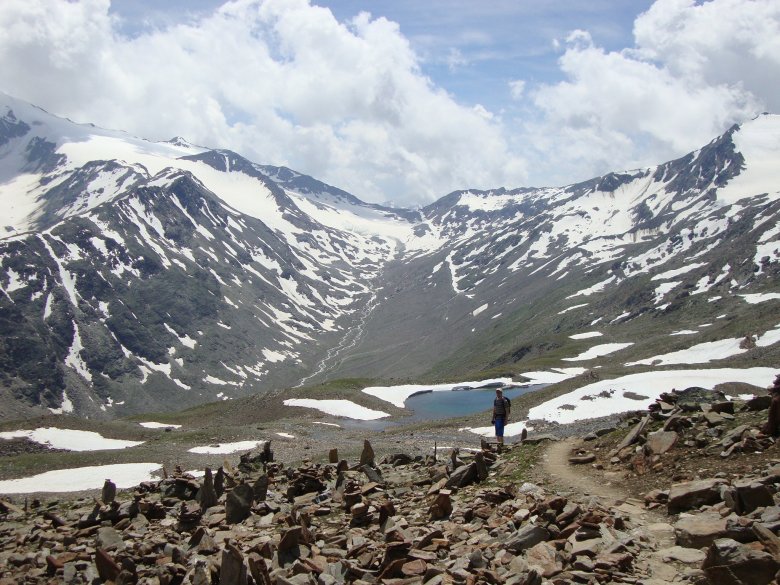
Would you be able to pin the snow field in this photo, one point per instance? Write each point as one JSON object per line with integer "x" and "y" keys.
{"x": 226, "y": 448}
{"x": 598, "y": 351}
{"x": 345, "y": 408}
{"x": 607, "y": 397}
{"x": 158, "y": 425}
{"x": 124, "y": 475}
{"x": 70, "y": 439}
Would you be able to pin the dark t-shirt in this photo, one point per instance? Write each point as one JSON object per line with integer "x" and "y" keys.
{"x": 499, "y": 407}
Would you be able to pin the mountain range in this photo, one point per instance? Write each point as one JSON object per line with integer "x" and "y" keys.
{"x": 141, "y": 276}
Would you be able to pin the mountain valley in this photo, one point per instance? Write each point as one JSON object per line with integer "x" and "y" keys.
{"x": 142, "y": 276}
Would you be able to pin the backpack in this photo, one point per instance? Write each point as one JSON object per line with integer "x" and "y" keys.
{"x": 508, "y": 404}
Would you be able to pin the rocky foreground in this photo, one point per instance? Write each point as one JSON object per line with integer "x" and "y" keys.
{"x": 467, "y": 517}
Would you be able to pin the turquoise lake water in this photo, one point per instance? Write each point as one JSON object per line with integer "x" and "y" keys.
{"x": 441, "y": 405}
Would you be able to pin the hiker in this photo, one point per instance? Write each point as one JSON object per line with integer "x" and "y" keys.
{"x": 501, "y": 408}
{"x": 772, "y": 426}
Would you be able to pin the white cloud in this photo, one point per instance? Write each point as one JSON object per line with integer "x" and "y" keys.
{"x": 279, "y": 81}
{"x": 695, "y": 70}
{"x": 517, "y": 88}
{"x": 284, "y": 82}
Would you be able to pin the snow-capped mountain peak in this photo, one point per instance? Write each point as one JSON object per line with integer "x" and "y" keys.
{"x": 142, "y": 275}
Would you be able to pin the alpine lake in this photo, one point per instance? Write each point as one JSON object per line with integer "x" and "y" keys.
{"x": 428, "y": 405}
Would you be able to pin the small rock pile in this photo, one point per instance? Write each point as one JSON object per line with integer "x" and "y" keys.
{"x": 404, "y": 520}
{"x": 695, "y": 418}
{"x": 724, "y": 527}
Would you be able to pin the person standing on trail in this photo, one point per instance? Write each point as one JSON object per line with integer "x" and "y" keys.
{"x": 501, "y": 407}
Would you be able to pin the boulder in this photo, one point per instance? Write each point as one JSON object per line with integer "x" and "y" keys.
{"x": 700, "y": 530}
{"x": 713, "y": 419}
{"x": 731, "y": 563}
{"x": 692, "y": 494}
{"x": 441, "y": 507}
{"x": 109, "y": 539}
{"x": 758, "y": 403}
{"x": 526, "y": 537}
{"x": 463, "y": 476}
{"x": 688, "y": 556}
{"x": 724, "y": 406}
{"x": 232, "y": 569}
{"x": 660, "y": 442}
{"x": 589, "y": 548}
{"x": 238, "y": 504}
{"x": 752, "y": 495}
{"x": 543, "y": 556}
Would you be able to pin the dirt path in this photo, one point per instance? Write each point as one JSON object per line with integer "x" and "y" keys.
{"x": 568, "y": 477}
{"x": 648, "y": 525}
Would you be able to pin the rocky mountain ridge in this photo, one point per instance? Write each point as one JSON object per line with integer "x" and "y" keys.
{"x": 145, "y": 276}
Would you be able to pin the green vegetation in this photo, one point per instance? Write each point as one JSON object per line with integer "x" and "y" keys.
{"x": 520, "y": 463}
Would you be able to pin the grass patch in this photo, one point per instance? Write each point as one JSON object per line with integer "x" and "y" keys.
{"x": 520, "y": 464}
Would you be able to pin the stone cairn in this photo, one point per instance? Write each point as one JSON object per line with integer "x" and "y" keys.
{"x": 403, "y": 520}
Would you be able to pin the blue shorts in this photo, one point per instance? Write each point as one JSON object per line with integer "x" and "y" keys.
{"x": 499, "y": 426}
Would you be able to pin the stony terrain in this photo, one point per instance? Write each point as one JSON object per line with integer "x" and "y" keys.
{"x": 623, "y": 505}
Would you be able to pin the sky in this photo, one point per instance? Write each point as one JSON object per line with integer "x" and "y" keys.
{"x": 402, "y": 101}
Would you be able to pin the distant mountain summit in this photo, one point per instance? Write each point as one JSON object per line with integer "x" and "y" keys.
{"x": 150, "y": 276}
